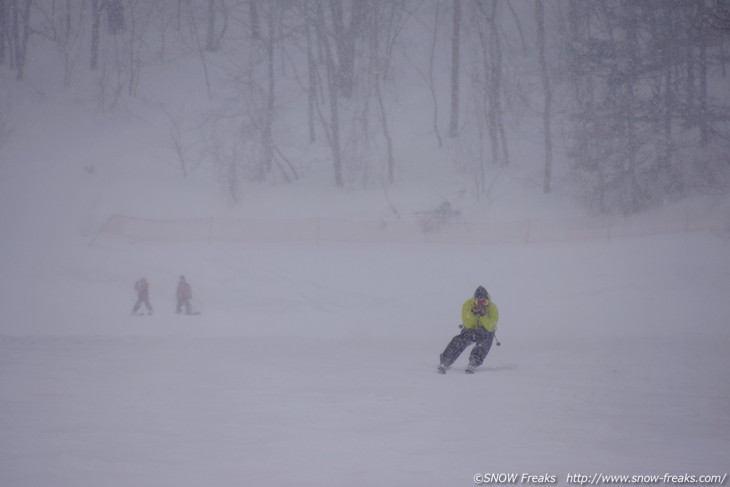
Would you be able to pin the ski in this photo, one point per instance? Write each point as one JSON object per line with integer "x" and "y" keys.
{"x": 442, "y": 370}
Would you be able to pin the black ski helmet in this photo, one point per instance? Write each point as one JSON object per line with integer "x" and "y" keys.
{"x": 481, "y": 293}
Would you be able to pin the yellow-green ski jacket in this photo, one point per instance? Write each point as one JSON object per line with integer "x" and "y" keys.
{"x": 488, "y": 321}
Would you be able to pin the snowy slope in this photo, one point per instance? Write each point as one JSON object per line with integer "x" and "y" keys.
{"x": 316, "y": 364}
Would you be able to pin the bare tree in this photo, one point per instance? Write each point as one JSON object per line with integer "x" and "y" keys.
{"x": 353, "y": 105}
{"x": 346, "y": 34}
{"x": 644, "y": 122}
{"x": 491, "y": 50}
{"x": 199, "y": 47}
{"x": 331, "y": 125}
{"x": 428, "y": 75}
{"x": 384, "y": 24}
{"x": 62, "y": 24}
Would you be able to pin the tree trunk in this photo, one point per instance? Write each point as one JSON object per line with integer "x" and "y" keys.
{"x": 455, "y": 44}
{"x": 379, "y": 68}
{"x": 634, "y": 188}
{"x": 199, "y": 46}
{"x": 496, "y": 88}
{"x": 430, "y": 77}
{"x": 22, "y": 38}
{"x": 211, "y": 43}
{"x": 332, "y": 127}
{"x": 487, "y": 102}
{"x": 95, "y": 32}
{"x": 3, "y": 30}
{"x": 547, "y": 95}
{"x": 115, "y": 16}
{"x": 254, "y": 14}
{"x": 13, "y": 33}
{"x": 702, "y": 102}
{"x": 346, "y": 35}
{"x": 312, "y": 82}
{"x": 268, "y": 138}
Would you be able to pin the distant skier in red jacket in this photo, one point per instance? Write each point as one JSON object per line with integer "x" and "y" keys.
{"x": 143, "y": 296}
{"x": 184, "y": 295}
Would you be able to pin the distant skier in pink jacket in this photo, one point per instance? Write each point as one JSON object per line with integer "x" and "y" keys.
{"x": 184, "y": 295}
{"x": 143, "y": 296}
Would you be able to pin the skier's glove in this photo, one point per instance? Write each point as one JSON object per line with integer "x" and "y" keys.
{"x": 479, "y": 309}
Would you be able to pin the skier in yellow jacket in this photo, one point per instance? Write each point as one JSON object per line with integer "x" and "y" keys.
{"x": 479, "y": 317}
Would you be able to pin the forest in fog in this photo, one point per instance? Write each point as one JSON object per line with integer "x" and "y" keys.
{"x": 628, "y": 99}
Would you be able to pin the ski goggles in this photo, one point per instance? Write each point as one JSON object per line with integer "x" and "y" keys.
{"x": 481, "y": 302}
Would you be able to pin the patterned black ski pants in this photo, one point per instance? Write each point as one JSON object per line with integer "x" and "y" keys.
{"x": 479, "y": 335}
